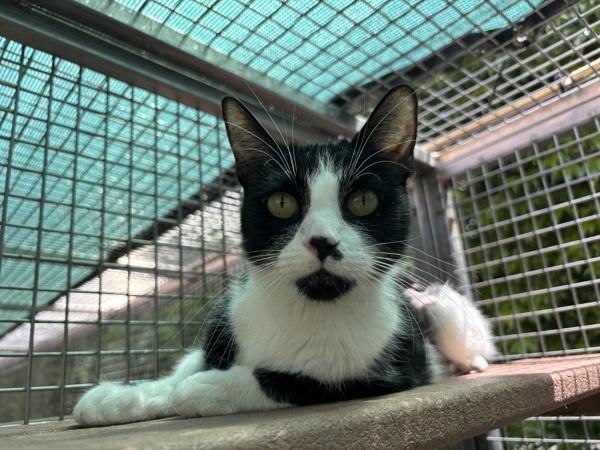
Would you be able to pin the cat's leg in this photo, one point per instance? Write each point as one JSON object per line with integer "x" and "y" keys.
{"x": 217, "y": 392}
{"x": 112, "y": 403}
{"x": 457, "y": 327}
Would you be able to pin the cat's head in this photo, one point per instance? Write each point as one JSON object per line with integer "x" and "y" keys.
{"x": 326, "y": 218}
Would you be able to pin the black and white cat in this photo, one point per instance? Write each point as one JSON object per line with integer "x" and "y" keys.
{"x": 318, "y": 314}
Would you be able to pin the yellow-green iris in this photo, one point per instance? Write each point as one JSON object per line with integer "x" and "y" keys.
{"x": 282, "y": 205}
{"x": 362, "y": 202}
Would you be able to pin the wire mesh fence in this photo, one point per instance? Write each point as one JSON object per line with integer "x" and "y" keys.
{"x": 112, "y": 205}
{"x": 119, "y": 212}
{"x": 550, "y": 432}
{"x": 530, "y": 234}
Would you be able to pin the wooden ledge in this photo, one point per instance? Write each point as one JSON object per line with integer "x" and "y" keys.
{"x": 422, "y": 418}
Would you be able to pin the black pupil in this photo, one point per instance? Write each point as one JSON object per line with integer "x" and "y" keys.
{"x": 281, "y": 202}
{"x": 364, "y": 199}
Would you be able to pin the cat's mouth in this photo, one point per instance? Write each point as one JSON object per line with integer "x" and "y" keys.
{"x": 324, "y": 286}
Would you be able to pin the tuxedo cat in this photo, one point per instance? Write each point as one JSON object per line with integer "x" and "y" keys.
{"x": 318, "y": 314}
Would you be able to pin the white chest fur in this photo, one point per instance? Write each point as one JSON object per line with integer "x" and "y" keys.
{"x": 278, "y": 329}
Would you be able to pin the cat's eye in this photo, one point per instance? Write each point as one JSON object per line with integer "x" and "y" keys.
{"x": 282, "y": 205}
{"x": 362, "y": 202}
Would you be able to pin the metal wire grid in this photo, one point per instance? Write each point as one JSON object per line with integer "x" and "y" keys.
{"x": 41, "y": 104}
{"x": 529, "y": 228}
{"x": 108, "y": 210}
{"x": 493, "y": 83}
{"x": 127, "y": 324}
{"x": 495, "y": 79}
{"x": 530, "y": 231}
{"x": 512, "y": 56}
{"x": 550, "y": 432}
{"x": 318, "y": 48}
{"x": 555, "y": 42}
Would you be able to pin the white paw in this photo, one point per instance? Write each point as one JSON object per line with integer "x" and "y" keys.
{"x": 459, "y": 330}
{"x": 106, "y": 404}
{"x": 204, "y": 394}
{"x": 479, "y": 364}
{"x": 114, "y": 403}
{"x": 217, "y": 392}
{"x": 473, "y": 363}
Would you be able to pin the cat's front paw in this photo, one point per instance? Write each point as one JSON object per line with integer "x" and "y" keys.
{"x": 105, "y": 404}
{"x": 204, "y": 394}
{"x": 472, "y": 363}
{"x": 115, "y": 403}
{"x": 217, "y": 392}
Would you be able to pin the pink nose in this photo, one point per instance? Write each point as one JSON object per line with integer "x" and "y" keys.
{"x": 323, "y": 247}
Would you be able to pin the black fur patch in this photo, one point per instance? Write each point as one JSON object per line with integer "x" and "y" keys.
{"x": 220, "y": 346}
{"x": 324, "y": 286}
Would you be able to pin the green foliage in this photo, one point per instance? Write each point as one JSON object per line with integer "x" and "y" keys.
{"x": 530, "y": 229}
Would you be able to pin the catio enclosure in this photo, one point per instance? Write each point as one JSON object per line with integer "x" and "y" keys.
{"x": 119, "y": 208}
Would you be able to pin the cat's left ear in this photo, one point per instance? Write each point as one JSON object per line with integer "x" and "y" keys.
{"x": 391, "y": 129}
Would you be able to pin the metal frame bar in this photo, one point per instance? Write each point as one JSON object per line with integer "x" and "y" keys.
{"x": 580, "y": 75}
{"x": 431, "y": 251}
{"x": 562, "y": 114}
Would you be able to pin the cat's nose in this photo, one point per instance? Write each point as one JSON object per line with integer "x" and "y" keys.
{"x": 323, "y": 247}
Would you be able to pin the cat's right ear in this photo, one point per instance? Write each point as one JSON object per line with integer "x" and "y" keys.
{"x": 250, "y": 142}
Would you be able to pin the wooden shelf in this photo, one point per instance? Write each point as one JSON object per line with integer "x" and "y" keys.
{"x": 423, "y": 418}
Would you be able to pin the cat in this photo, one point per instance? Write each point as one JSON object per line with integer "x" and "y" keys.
{"x": 318, "y": 314}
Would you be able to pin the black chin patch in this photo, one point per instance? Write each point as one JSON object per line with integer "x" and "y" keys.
{"x": 323, "y": 286}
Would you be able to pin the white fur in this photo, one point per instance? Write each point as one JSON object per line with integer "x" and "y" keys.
{"x": 280, "y": 330}
{"x": 216, "y": 392}
{"x": 458, "y": 328}
{"x": 112, "y": 403}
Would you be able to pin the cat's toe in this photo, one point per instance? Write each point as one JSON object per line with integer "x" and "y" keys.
{"x": 86, "y": 412}
{"x": 479, "y": 364}
{"x": 475, "y": 363}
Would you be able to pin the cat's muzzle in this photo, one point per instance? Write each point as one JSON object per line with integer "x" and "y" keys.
{"x": 324, "y": 286}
